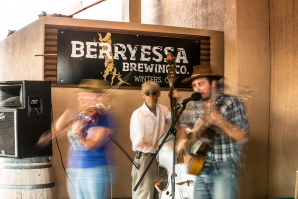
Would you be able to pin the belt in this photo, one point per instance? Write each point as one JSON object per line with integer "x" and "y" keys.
{"x": 148, "y": 154}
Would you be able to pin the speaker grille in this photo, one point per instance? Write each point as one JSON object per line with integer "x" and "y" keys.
{"x": 7, "y": 133}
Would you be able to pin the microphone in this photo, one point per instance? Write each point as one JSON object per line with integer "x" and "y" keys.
{"x": 194, "y": 97}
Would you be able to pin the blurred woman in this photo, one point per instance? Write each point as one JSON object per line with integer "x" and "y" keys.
{"x": 87, "y": 165}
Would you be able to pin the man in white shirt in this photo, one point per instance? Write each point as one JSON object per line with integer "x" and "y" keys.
{"x": 146, "y": 127}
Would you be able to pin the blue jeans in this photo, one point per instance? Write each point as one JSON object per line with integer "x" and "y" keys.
{"x": 217, "y": 181}
{"x": 87, "y": 183}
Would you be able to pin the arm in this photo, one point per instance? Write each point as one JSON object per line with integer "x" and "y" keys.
{"x": 237, "y": 133}
{"x": 62, "y": 121}
{"x": 191, "y": 134}
{"x": 136, "y": 132}
{"x": 232, "y": 120}
{"x": 97, "y": 137}
{"x": 200, "y": 126}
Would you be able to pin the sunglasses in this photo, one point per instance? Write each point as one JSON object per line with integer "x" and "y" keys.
{"x": 147, "y": 93}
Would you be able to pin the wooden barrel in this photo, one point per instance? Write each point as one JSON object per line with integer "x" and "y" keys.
{"x": 26, "y": 178}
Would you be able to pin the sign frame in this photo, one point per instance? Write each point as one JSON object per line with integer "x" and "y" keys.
{"x": 51, "y": 43}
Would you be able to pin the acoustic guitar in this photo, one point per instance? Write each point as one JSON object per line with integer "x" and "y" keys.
{"x": 198, "y": 151}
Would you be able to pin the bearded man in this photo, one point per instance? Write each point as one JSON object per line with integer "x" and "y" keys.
{"x": 224, "y": 117}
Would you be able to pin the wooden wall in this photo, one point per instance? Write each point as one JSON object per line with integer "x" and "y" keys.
{"x": 260, "y": 55}
{"x": 200, "y": 14}
{"x": 247, "y": 65}
{"x": 17, "y": 54}
{"x": 283, "y": 138}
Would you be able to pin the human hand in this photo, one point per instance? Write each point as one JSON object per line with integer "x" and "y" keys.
{"x": 217, "y": 121}
{"x": 175, "y": 96}
{"x": 216, "y": 118}
{"x": 205, "y": 118}
{"x": 78, "y": 128}
{"x": 212, "y": 116}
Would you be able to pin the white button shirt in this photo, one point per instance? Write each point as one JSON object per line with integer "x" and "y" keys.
{"x": 146, "y": 128}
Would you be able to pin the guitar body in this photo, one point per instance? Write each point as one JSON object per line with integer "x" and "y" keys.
{"x": 196, "y": 164}
{"x": 198, "y": 151}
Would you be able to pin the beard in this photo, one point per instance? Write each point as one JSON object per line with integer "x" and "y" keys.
{"x": 209, "y": 95}
{"x": 206, "y": 98}
{"x": 151, "y": 104}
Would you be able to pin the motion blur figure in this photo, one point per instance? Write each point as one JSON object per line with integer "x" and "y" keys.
{"x": 224, "y": 117}
{"x": 88, "y": 154}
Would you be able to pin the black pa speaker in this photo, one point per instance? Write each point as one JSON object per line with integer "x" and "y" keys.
{"x": 25, "y": 114}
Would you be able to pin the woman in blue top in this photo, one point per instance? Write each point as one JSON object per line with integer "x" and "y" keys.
{"x": 88, "y": 138}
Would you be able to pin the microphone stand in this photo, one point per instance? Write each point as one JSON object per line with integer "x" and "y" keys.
{"x": 123, "y": 150}
{"x": 171, "y": 130}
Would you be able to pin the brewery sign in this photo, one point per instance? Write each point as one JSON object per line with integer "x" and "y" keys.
{"x": 111, "y": 56}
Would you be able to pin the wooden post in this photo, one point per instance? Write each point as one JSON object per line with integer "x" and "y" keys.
{"x": 135, "y": 11}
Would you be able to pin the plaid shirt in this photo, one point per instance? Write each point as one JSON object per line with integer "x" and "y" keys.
{"x": 224, "y": 147}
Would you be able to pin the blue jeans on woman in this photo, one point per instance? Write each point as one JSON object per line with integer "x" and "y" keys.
{"x": 87, "y": 183}
{"x": 217, "y": 181}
